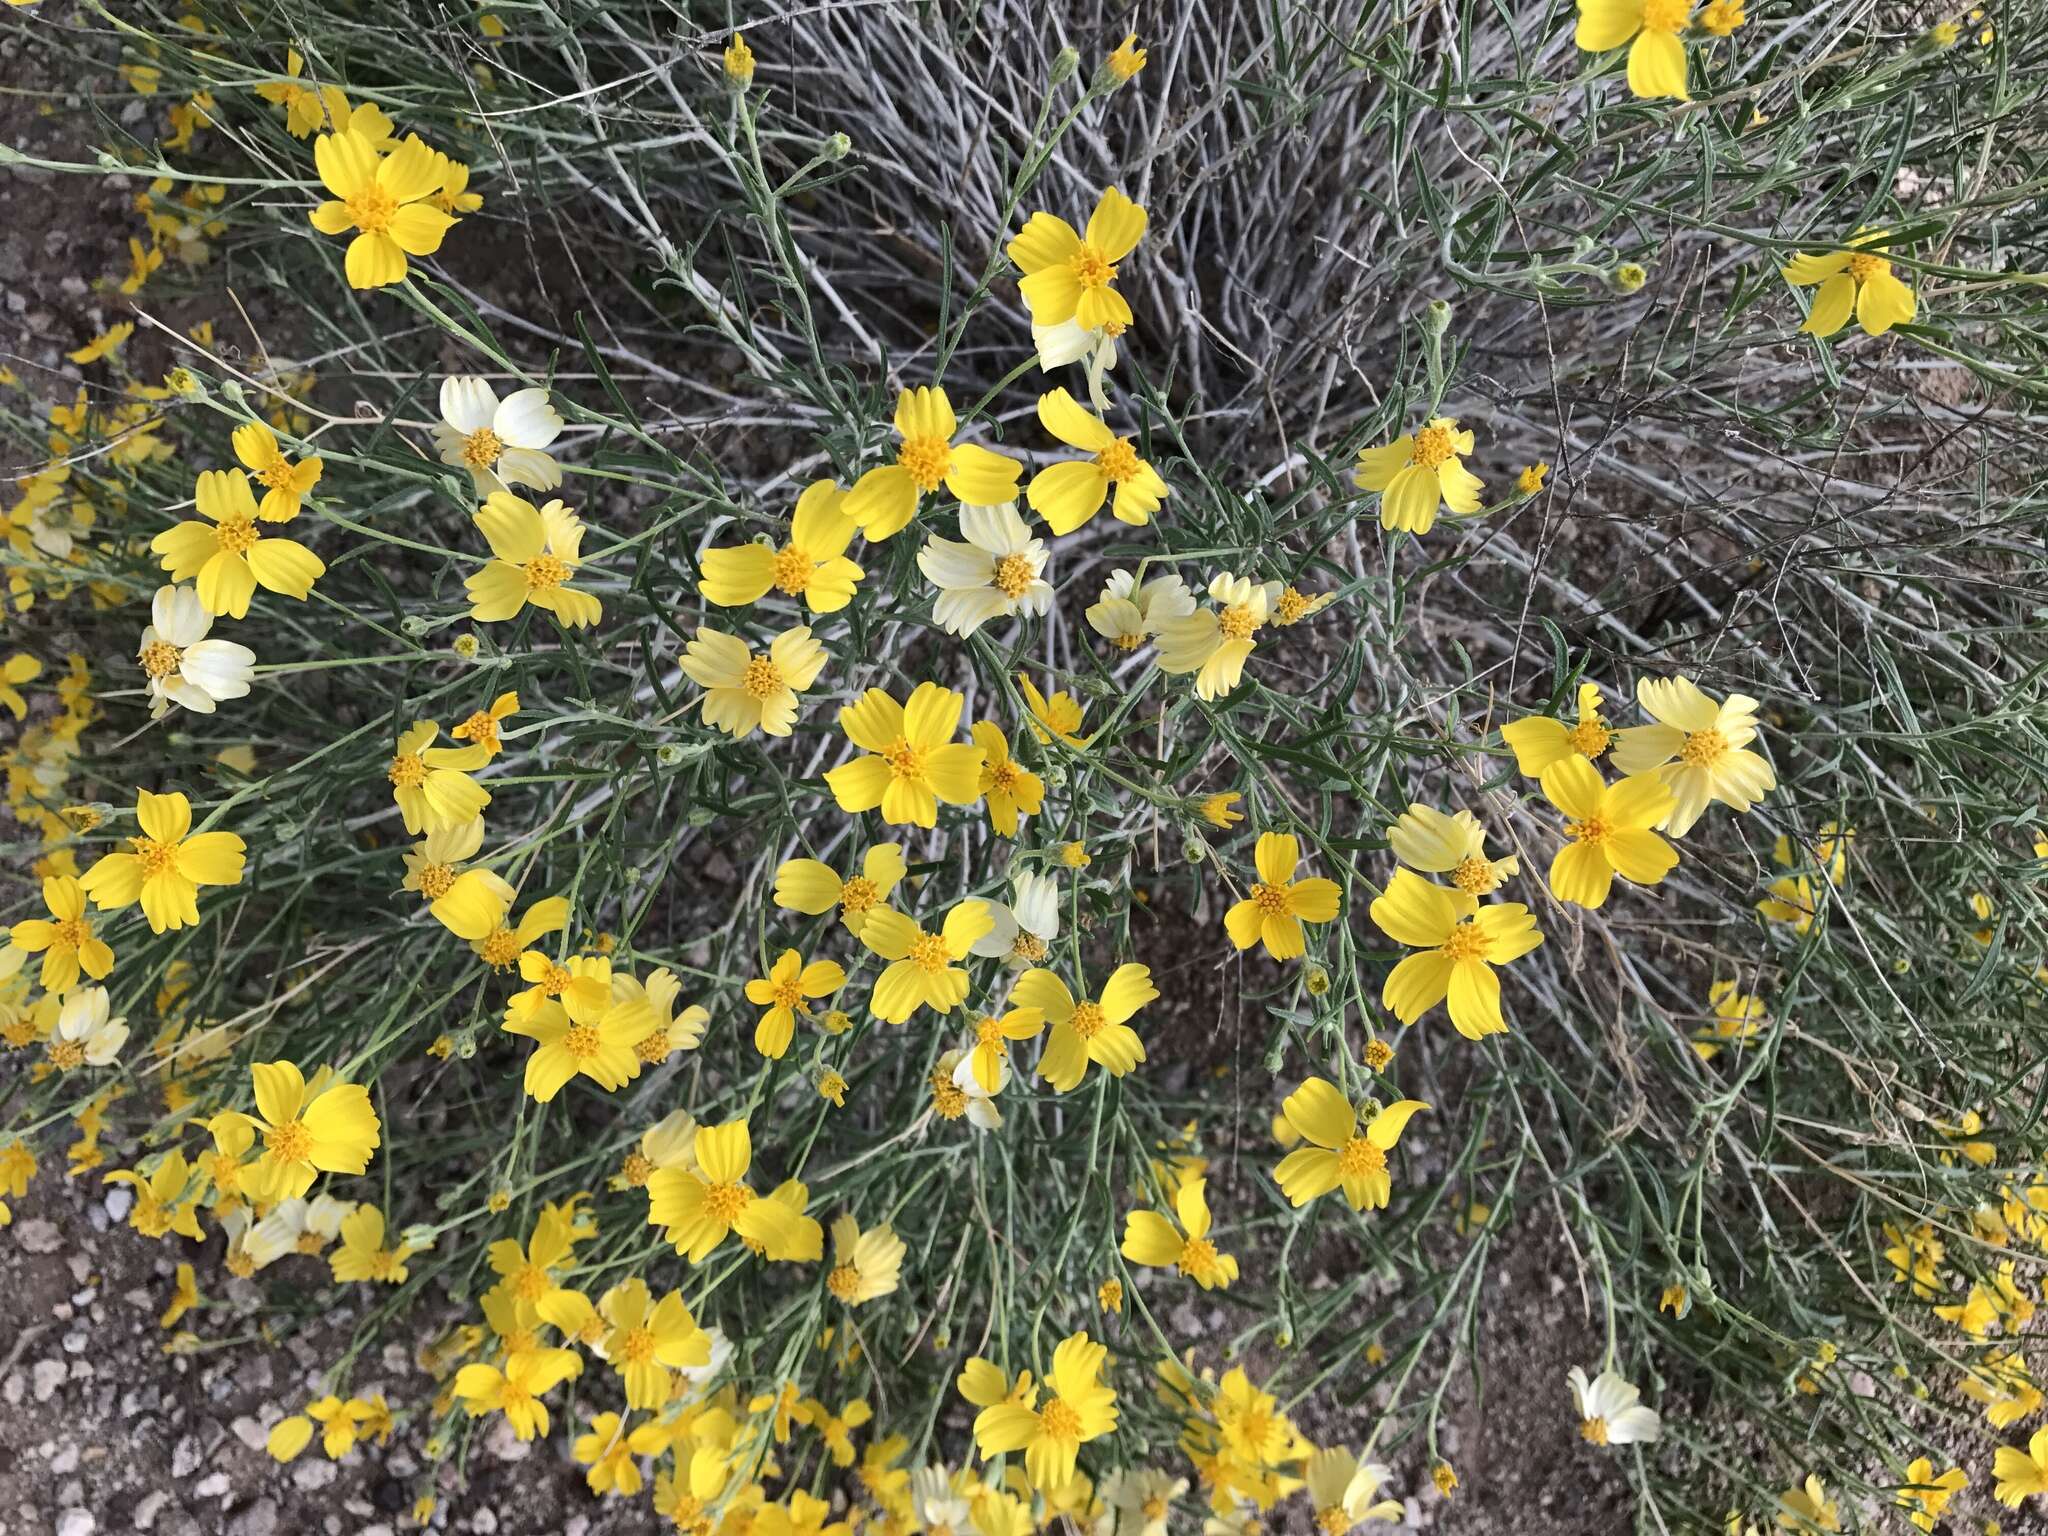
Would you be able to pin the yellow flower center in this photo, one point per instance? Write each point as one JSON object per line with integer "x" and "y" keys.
{"x": 1333, "y": 1520}
{"x": 1013, "y": 576}
{"x": 1091, "y": 268}
{"x": 637, "y": 1348}
{"x": 545, "y": 572}
{"x": 1028, "y": 947}
{"x": 929, "y": 954}
{"x": 843, "y": 1282}
{"x": 235, "y": 535}
{"x": 435, "y": 879}
{"x": 1291, "y": 607}
{"x": 905, "y": 760}
{"x": 290, "y": 1142}
{"x": 1593, "y": 1431}
{"x": 501, "y": 949}
{"x": 555, "y": 981}
{"x": 1703, "y": 749}
{"x": 1088, "y": 1020}
{"x": 160, "y": 658}
{"x": 1666, "y": 15}
{"x": 1361, "y": 1157}
{"x": 582, "y": 1041}
{"x": 241, "y": 1264}
{"x": 793, "y": 571}
{"x": 1377, "y": 1054}
{"x": 1433, "y": 445}
{"x": 310, "y": 1242}
{"x": 407, "y": 771}
{"x": 1236, "y": 622}
{"x": 988, "y": 1035}
{"x": 372, "y": 209}
{"x": 384, "y": 1264}
{"x": 788, "y": 993}
{"x": 637, "y": 1169}
{"x": 1197, "y": 1257}
{"x": 1465, "y": 942}
{"x": 481, "y": 448}
{"x": 859, "y": 894}
{"x": 1118, "y": 462}
{"x": 949, "y": 1099}
{"x": 1864, "y": 267}
{"x": 1589, "y": 738}
{"x": 723, "y": 1203}
{"x": 1002, "y": 779}
{"x": 480, "y": 728}
{"x": 762, "y": 680}
{"x": 1271, "y": 900}
{"x": 1593, "y": 831}
{"x": 1154, "y": 1508}
{"x": 1129, "y": 642}
{"x": 277, "y": 474}
{"x": 72, "y": 933}
{"x": 655, "y": 1048}
{"x": 927, "y": 459}
{"x": 66, "y": 1054}
{"x": 1473, "y": 876}
{"x": 1059, "y": 1420}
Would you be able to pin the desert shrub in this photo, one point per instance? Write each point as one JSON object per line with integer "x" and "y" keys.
{"x": 515, "y": 885}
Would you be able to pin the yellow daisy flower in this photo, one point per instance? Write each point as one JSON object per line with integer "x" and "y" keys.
{"x": 911, "y": 761}
{"x": 1152, "y": 1240}
{"x": 536, "y": 551}
{"x": 1699, "y": 746}
{"x": 742, "y": 690}
{"x": 701, "y": 1205}
{"x": 1279, "y": 904}
{"x": 1340, "y": 1153}
{"x": 1079, "y": 1409}
{"x": 1539, "y": 740}
{"x": 812, "y": 565}
{"x": 1069, "y": 276}
{"x": 306, "y": 1130}
{"x": 1656, "y": 57}
{"x": 1857, "y": 280}
{"x": 386, "y": 199}
{"x": 228, "y": 555}
{"x": 286, "y": 485}
{"x": 811, "y": 886}
{"x": 785, "y": 992}
{"x": 1432, "y": 843}
{"x": 924, "y": 969}
{"x": 1461, "y": 943}
{"x": 431, "y": 784}
{"x": 883, "y": 501}
{"x": 65, "y": 939}
{"x": 1010, "y": 789}
{"x": 1608, "y": 833}
{"x": 1085, "y": 1030}
{"x": 865, "y": 1265}
{"x": 165, "y": 865}
{"x": 1416, "y": 474}
{"x": 1069, "y": 494}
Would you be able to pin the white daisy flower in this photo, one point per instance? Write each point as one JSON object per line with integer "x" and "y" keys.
{"x": 938, "y": 1505}
{"x": 1611, "y": 1411}
{"x": 1128, "y": 614}
{"x": 501, "y": 443}
{"x": 982, "y": 1113}
{"x": 83, "y": 1021}
{"x": 296, "y": 1226}
{"x": 998, "y": 572}
{"x": 183, "y": 666}
{"x": 1024, "y": 928}
{"x": 1137, "y": 1501}
{"x": 1059, "y": 345}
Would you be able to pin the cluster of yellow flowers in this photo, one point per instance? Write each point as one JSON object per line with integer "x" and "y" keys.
{"x": 986, "y": 970}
